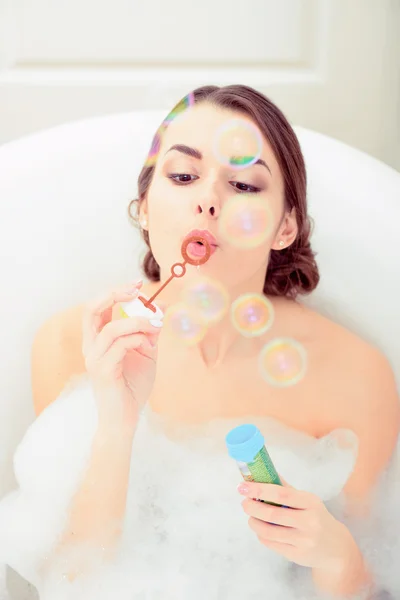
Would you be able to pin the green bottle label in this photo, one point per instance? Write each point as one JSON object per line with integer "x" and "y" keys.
{"x": 260, "y": 470}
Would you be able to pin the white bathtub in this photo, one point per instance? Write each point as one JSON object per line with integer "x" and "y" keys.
{"x": 65, "y": 190}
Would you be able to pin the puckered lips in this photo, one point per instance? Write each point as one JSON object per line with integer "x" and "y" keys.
{"x": 197, "y": 249}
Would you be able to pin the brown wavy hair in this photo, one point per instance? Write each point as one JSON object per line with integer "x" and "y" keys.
{"x": 290, "y": 271}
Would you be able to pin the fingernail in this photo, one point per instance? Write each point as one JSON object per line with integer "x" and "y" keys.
{"x": 133, "y": 292}
{"x": 135, "y": 285}
{"x": 242, "y": 488}
{"x": 156, "y": 322}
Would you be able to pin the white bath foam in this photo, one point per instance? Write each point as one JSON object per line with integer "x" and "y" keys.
{"x": 379, "y": 535}
{"x": 48, "y": 465}
{"x": 136, "y": 308}
{"x": 185, "y": 535}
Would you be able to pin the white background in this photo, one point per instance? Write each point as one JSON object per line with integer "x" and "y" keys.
{"x": 331, "y": 65}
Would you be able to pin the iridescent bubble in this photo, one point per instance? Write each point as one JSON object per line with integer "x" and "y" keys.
{"x": 252, "y": 314}
{"x": 238, "y": 144}
{"x": 245, "y": 221}
{"x": 155, "y": 147}
{"x": 184, "y": 324}
{"x": 283, "y": 362}
{"x": 207, "y": 298}
{"x": 178, "y": 109}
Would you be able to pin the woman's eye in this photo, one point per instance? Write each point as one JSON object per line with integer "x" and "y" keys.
{"x": 240, "y": 187}
{"x": 244, "y": 187}
{"x": 182, "y": 178}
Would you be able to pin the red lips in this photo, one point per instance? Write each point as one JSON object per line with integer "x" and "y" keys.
{"x": 196, "y": 249}
{"x": 204, "y": 233}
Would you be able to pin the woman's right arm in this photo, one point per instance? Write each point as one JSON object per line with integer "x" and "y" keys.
{"x": 96, "y": 513}
{"x": 119, "y": 357}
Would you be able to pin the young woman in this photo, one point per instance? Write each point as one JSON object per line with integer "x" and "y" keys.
{"x": 194, "y": 395}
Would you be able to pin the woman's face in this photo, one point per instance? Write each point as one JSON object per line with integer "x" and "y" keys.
{"x": 191, "y": 186}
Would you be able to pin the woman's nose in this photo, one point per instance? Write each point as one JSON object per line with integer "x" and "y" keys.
{"x": 210, "y": 207}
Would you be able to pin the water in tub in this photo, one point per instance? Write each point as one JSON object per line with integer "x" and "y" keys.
{"x": 185, "y": 535}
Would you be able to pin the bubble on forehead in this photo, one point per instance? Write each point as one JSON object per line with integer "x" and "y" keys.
{"x": 245, "y": 221}
{"x": 186, "y": 102}
{"x": 252, "y": 314}
{"x": 283, "y": 362}
{"x": 207, "y": 298}
{"x": 155, "y": 147}
{"x": 238, "y": 144}
{"x": 184, "y": 324}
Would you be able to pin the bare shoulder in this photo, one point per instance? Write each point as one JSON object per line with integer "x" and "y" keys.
{"x": 355, "y": 389}
{"x": 359, "y": 380}
{"x": 56, "y": 355}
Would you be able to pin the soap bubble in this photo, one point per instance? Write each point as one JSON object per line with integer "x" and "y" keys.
{"x": 238, "y": 144}
{"x": 207, "y": 298}
{"x": 245, "y": 221}
{"x": 178, "y": 109}
{"x": 155, "y": 148}
{"x": 252, "y": 314}
{"x": 283, "y": 362}
{"x": 185, "y": 324}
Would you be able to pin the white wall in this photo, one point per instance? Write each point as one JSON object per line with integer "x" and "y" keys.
{"x": 331, "y": 65}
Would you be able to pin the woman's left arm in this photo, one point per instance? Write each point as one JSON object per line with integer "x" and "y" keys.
{"x": 372, "y": 411}
{"x": 374, "y": 415}
{"x": 310, "y": 535}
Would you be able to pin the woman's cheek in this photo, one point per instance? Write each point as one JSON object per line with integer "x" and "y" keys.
{"x": 164, "y": 195}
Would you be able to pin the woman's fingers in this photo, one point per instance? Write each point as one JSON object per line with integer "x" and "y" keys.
{"x": 275, "y": 515}
{"x": 116, "y": 329}
{"x": 105, "y": 366}
{"x": 98, "y": 314}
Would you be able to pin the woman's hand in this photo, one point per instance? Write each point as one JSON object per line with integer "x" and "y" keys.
{"x": 120, "y": 357}
{"x": 304, "y": 533}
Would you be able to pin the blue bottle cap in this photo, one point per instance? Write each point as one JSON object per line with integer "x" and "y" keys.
{"x": 244, "y": 442}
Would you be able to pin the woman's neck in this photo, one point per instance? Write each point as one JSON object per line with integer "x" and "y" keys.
{"x": 221, "y": 338}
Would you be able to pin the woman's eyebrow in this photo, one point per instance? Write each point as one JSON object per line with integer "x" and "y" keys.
{"x": 260, "y": 161}
{"x": 194, "y": 153}
{"x": 186, "y": 150}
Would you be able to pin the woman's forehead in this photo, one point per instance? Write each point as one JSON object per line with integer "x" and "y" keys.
{"x": 199, "y": 127}
{"x": 201, "y": 121}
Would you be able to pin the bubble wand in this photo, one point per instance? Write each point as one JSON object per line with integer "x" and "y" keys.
{"x": 144, "y": 307}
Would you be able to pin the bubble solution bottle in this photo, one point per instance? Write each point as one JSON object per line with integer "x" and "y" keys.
{"x": 246, "y": 445}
